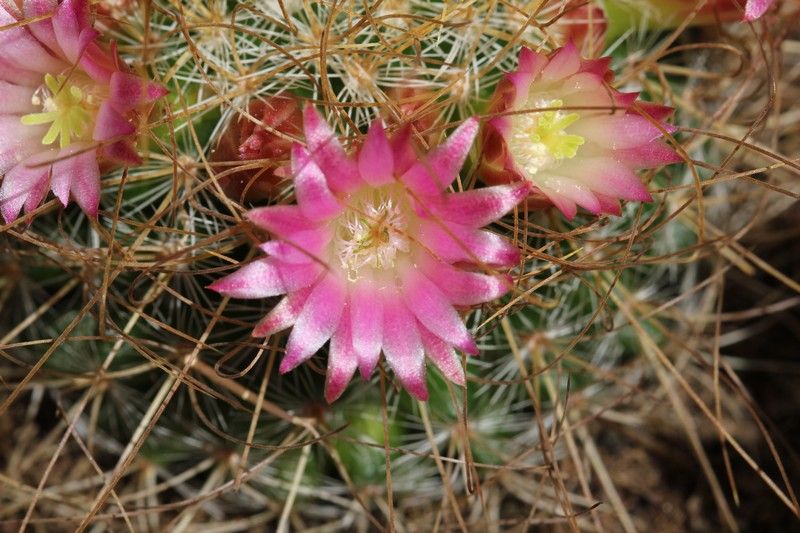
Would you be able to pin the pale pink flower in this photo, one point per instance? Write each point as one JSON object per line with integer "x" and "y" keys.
{"x": 67, "y": 106}
{"x": 376, "y": 256}
{"x": 572, "y": 156}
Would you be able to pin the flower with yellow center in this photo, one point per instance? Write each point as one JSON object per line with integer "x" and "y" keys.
{"x": 372, "y": 234}
{"x": 540, "y": 140}
{"x": 376, "y": 256}
{"x": 64, "y": 108}
{"x": 561, "y": 127}
{"x": 68, "y": 106}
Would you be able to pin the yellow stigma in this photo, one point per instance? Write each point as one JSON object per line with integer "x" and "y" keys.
{"x": 550, "y": 132}
{"x": 538, "y": 141}
{"x": 64, "y": 108}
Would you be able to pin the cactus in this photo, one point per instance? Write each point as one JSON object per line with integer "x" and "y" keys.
{"x": 132, "y": 396}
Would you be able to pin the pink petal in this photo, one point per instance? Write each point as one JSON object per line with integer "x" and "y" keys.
{"x": 301, "y": 247}
{"x": 77, "y": 170}
{"x": 755, "y": 8}
{"x": 463, "y": 244}
{"x": 128, "y": 91}
{"x": 654, "y": 154}
{"x": 403, "y": 347}
{"x": 479, "y": 207}
{"x": 99, "y": 64}
{"x": 403, "y": 153}
{"x": 122, "y": 152}
{"x": 574, "y": 191}
{"x": 315, "y": 323}
{"x": 656, "y": 111}
{"x": 563, "y": 204}
{"x": 266, "y": 277}
{"x": 443, "y": 356}
{"x": 22, "y": 185}
{"x": 19, "y": 75}
{"x": 61, "y": 181}
{"x": 327, "y": 152}
{"x": 521, "y": 81}
{"x": 432, "y": 308}
{"x": 607, "y": 176}
{"x": 283, "y": 315}
{"x": 375, "y": 160}
{"x": 37, "y": 193}
{"x": 42, "y": 30}
{"x": 69, "y": 24}
{"x": 501, "y": 124}
{"x": 617, "y": 131}
{"x": 442, "y": 166}
{"x": 280, "y": 219}
{"x": 564, "y": 62}
{"x": 465, "y": 288}
{"x": 625, "y": 100}
{"x": 153, "y": 91}
{"x": 342, "y": 361}
{"x": 16, "y": 99}
{"x": 21, "y": 49}
{"x": 17, "y": 142}
{"x": 584, "y": 83}
{"x": 608, "y": 204}
{"x": 315, "y": 199}
{"x": 366, "y": 313}
{"x": 530, "y": 61}
{"x": 109, "y": 124}
{"x": 419, "y": 179}
{"x": 599, "y": 67}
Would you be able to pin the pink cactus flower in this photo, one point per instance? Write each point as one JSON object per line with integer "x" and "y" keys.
{"x": 376, "y": 256}
{"x": 68, "y": 106}
{"x": 572, "y": 156}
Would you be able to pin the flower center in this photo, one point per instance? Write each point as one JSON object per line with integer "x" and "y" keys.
{"x": 68, "y": 108}
{"x": 539, "y": 140}
{"x": 371, "y": 233}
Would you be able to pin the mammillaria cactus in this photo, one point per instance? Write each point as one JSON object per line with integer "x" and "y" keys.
{"x": 314, "y": 163}
{"x": 366, "y": 257}
{"x": 561, "y": 128}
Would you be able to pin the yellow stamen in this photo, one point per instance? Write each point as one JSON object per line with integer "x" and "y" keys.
{"x": 539, "y": 141}
{"x": 550, "y": 132}
{"x": 64, "y": 108}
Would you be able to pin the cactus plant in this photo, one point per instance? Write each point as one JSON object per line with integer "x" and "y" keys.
{"x": 133, "y": 396}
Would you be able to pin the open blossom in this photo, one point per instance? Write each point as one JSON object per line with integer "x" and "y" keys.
{"x": 66, "y": 106}
{"x": 376, "y": 256}
{"x": 563, "y": 129}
